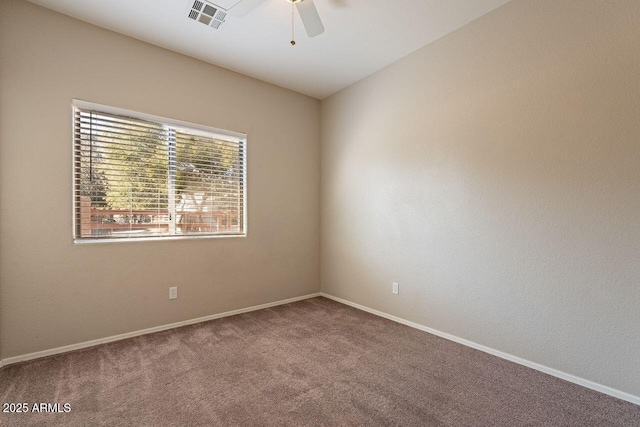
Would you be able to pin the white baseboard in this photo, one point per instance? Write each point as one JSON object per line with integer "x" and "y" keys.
{"x": 67, "y": 348}
{"x": 554, "y": 372}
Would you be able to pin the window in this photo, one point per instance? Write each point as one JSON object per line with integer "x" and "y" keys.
{"x": 138, "y": 176}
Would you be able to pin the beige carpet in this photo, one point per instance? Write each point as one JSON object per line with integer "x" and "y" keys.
{"x": 314, "y": 362}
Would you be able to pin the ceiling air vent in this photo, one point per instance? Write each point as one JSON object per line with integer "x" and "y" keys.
{"x": 207, "y": 13}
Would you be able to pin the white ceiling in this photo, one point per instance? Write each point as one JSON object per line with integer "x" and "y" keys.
{"x": 361, "y": 36}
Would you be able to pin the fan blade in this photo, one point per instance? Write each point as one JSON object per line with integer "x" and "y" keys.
{"x": 310, "y": 18}
{"x": 244, "y": 7}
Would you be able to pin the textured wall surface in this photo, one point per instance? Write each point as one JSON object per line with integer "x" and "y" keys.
{"x": 55, "y": 293}
{"x": 495, "y": 174}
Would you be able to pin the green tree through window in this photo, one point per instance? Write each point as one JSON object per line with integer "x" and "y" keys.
{"x": 139, "y": 178}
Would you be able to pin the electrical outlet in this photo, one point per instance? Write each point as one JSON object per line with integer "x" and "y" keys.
{"x": 395, "y": 288}
{"x": 173, "y": 292}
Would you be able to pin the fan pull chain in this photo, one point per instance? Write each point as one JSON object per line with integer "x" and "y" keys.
{"x": 293, "y": 42}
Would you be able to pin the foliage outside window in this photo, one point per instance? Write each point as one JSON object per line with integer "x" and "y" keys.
{"x": 139, "y": 176}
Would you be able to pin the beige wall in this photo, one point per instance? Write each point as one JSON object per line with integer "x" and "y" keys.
{"x": 55, "y": 293}
{"x": 495, "y": 174}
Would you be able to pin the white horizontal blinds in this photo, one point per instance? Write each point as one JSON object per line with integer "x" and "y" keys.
{"x": 138, "y": 178}
{"x": 209, "y": 173}
{"x": 121, "y": 176}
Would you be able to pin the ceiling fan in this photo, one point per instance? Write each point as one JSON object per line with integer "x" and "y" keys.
{"x": 306, "y": 9}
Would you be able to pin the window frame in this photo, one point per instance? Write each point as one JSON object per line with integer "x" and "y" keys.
{"x": 207, "y": 130}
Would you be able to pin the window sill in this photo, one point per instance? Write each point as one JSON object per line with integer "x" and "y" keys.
{"x": 154, "y": 239}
